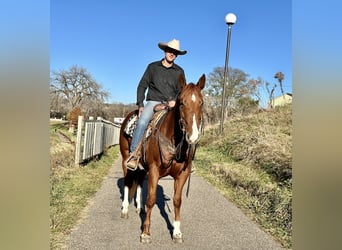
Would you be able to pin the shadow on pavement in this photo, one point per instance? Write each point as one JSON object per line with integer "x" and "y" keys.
{"x": 161, "y": 203}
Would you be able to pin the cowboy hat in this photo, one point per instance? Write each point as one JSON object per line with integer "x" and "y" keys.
{"x": 173, "y": 44}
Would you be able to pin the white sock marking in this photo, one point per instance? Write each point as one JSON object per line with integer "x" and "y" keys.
{"x": 125, "y": 202}
{"x": 176, "y": 228}
{"x": 138, "y": 197}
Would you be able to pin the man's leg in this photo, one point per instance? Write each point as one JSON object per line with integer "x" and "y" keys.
{"x": 139, "y": 131}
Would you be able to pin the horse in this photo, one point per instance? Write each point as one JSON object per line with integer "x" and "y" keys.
{"x": 169, "y": 150}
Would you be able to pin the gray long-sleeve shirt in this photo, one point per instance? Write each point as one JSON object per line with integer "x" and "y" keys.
{"x": 162, "y": 83}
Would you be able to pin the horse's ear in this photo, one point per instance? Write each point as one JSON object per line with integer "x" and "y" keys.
{"x": 182, "y": 81}
{"x": 201, "y": 82}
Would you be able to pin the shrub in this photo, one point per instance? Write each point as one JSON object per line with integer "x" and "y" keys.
{"x": 72, "y": 117}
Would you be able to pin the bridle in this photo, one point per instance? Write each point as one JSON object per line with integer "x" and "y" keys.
{"x": 191, "y": 150}
{"x": 191, "y": 146}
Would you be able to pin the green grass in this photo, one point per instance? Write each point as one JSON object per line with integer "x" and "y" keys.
{"x": 71, "y": 187}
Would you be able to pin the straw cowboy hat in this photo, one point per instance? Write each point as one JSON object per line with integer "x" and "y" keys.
{"x": 173, "y": 44}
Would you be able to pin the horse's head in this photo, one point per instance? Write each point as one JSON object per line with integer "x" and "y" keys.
{"x": 190, "y": 108}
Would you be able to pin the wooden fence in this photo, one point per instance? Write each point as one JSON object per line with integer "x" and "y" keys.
{"x": 93, "y": 137}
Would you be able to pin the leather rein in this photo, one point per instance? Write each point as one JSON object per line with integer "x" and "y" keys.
{"x": 190, "y": 152}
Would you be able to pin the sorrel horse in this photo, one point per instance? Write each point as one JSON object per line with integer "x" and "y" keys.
{"x": 169, "y": 150}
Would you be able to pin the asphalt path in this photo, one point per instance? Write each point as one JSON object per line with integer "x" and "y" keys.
{"x": 208, "y": 220}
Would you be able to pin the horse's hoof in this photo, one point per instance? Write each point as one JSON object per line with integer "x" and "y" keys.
{"x": 144, "y": 238}
{"x": 178, "y": 238}
{"x": 140, "y": 211}
{"x": 124, "y": 215}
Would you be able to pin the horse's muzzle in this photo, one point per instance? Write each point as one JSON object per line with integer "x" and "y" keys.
{"x": 190, "y": 140}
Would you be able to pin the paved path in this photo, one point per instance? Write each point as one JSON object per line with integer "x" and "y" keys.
{"x": 209, "y": 221}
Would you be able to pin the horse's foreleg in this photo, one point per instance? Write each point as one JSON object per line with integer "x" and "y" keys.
{"x": 177, "y": 202}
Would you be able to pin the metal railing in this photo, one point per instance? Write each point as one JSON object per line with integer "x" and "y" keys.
{"x": 93, "y": 137}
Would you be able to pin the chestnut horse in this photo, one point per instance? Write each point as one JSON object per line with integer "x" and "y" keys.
{"x": 169, "y": 150}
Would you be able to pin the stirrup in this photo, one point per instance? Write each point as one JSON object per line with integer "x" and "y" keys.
{"x": 132, "y": 163}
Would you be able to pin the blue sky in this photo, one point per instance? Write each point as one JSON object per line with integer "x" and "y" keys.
{"x": 115, "y": 40}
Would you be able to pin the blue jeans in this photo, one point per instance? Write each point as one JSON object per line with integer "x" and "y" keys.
{"x": 143, "y": 121}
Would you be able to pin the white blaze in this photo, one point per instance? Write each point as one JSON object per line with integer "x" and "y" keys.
{"x": 195, "y": 131}
{"x": 193, "y": 98}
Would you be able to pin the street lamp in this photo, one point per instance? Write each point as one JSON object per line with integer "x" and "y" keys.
{"x": 230, "y": 20}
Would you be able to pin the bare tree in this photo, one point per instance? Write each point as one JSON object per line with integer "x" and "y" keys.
{"x": 280, "y": 76}
{"x": 77, "y": 86}
{"x": 270, "y": 94}
{"x": 94, "y": 107}
{"x": 58, "y": 105}
{"x": 239, "y": 86}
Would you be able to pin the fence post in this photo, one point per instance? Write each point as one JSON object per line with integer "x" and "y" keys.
{"x": 78, "y": 140}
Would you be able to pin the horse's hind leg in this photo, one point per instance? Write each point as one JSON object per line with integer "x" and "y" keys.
{"x": 129, "y": 190}
{"x": 125, "y": 203}
{"x": 138, "y": 198}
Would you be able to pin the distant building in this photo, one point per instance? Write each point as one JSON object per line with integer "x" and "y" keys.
{"x": 281, "y": 100}
{"x": 118, "y": 120}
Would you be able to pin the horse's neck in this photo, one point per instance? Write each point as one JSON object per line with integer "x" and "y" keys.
{"x": 167, "y": 124}
{"x": 170, "y": 127}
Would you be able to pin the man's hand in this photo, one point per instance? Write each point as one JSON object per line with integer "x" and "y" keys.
{"x": 140, "y": 111}
{"x": 171, "y": 103}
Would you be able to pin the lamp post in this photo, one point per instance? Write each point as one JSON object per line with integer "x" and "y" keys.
{"x": 230, "y": 20}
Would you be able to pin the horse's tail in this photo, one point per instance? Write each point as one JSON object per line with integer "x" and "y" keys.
{"x": 132, "y": 189}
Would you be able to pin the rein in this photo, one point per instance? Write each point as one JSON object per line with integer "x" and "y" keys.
{"x": 190, "y": 151}
{"x": 180, "y": 144}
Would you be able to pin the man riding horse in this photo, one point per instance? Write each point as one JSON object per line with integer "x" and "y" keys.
{"x": 161, "y": 79}
{"x": 170, "y": 140}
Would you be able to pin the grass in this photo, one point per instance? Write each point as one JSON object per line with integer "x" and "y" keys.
{"x": 71, "y": 187}
{"x": 254, "y": 191}
{"x": 251, "y": 165}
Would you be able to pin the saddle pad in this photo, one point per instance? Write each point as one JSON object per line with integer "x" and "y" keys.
{"x": 133, "y": 120}
{"x": 154, "y": 121}
{"x": 131, "y": 125}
